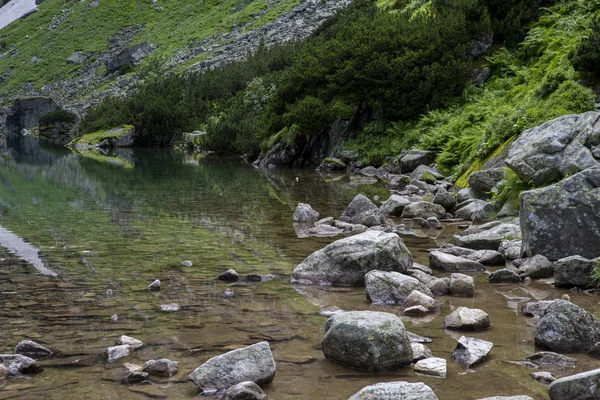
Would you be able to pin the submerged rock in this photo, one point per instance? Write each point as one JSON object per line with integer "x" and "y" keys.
{"x": 253, "y": 363}
{"x": 562, "y": 220}
{"x": 244, "y": 391}
{"x": 471, "y": 351}
{"x": 32, "y": 349}
{"x": 583, "y": 386}
{"x": 391, "y": 287}
{"x": 467, "y": 319}
{"x": 18, "y": 365}
{"x": 161, "y": 367}
{"x": 170, "y": 307}
{"x": 504, "y": 275}
{"x": 346, "y": 261}
{"x": 115, "y": 352}
{"x": 361, "y": 211}
{"x": 548, "y": 358}
{"x": 305, "y": 213}
{"x": 367, "y": 341}
{"x": 395, "y": 391}
{"x": 567, "y": 328}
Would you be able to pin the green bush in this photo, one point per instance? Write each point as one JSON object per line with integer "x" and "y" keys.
{"x": 587, "y": 56}
{"x": 57, "y": 116}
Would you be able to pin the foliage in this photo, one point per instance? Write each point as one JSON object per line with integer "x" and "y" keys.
{"x": 510, "y": 188}
{"x": 57, "y": 116}
{"x": 586, "y": 58}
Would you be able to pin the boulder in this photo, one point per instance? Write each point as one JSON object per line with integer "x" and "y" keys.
{"x": 535, "y": 308}
{"x": 398, "y": 182}
{"x": 556, "y": 149}
{"x": 423, "y": 209}
{"x": 128, "y": 340}
{"x": 361, "y": 211}
{"x": 305, "y": 213}
{"x": 229, "y": 276}
{"x": 161, "y": 367}
{"x": 432, "y": 223}
{"x": 471, "y": 351}
{"x": 576, "y": 271}
{"x": 32, "y": 349}
{"x": 489, "y": 239}
{"x": 416, "y": 311}
{"x": 394, "y": 205}
{"x": 462, "y": 285}
{"x": 420, "y": 351}
{"x": 450, "y": 263}
{"x": 444, "y": 199}
{"x": 483, "y": 181}
{"x": 548, "y": 358}
{"x": 77, "y": 58}
{"x": 583, "y": 386}
{"x": 331, "y": 164}
{"x": 395, "y": 391}
{"x": 562, "y": 220}
{"x": 418, "y": 298}
{"x": 467, "y": 319}
{"x": 122, "y": 136}
{"x": 391, "y": 287}
{"x": 437, "y": 286}
{"x": 244, "y": 391}
{"x": 504, "y": 275}
{"x": 510, "y": 249}
{"x": 425, "y": 174}
{"x": 467, "y": 194}
{"x": 367, "y": 341}
{"x": 254, "y": 363}
{"x": 346, "y": 261}
{"x": 536, "y": 267}
{"x": 433, "y": 366}
{"x": 567, "y": 328}
{"x": 414, "y": 158}
{"x": 18, "y": 365}
{"x": 487, "y": 257}
{"x": 129, "y": 56}
{"x": 543, "y": 377}
{"x": 115, "y": 352}
{"x": 468, "y": 211}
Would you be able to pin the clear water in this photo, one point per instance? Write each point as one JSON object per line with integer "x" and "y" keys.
{"x": 81, "y": 238}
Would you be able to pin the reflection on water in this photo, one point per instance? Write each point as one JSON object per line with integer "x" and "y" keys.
{"x": 24, "y": 250}
{"x": 108, "y": 229}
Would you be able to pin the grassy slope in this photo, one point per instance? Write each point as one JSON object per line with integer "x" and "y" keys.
{"x": 88, "y": 29}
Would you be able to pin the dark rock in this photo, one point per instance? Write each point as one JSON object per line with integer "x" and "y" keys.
{"x": 576, "y": 271}
{"x": 253, "y": 363}
{"x": 432, "y": 223}
{"x": 423, "y": 209}
{"x": 394, "y": 205}
{"x": 26, "y": 113}
{"x": 161, "y": 367}
{"x": 362, "y": 211}
{"x": 346, "y": 261}
{"x": 395, "y": 391}
{"x": 504, "y": 276}
{"x": 594, "y": 351}
{"x": 129, "y": 57}
{"x": 487, "y": 257}
{"x": 490, "y": 239}
{"x": 567, "y": 328}
{"x": 471, "y": 351}
{"x": 229, "y": 276}
{"x": 484, "y": 180}
{"x": 583, "y": 386}
{"x": 391, "y": 287}
{"x": 562, "y": 220}
{"x": 33, "y": 350}
{"x": 414, "y": 158}
{"x": 450, "y": 263}
{"x": 332, "y": 164}
{"x": 548, "y": 358}
{"x": 462, "y": 285}
{"x": 536, "y": 267}
{"x": 467, "y": 319}
{"x": 444, "y": 199}
{"x": 536, "y": 308}
{"x": 244, "y": 391}
{"x": 259, "y": 278}
{"x": 367, "y": 341}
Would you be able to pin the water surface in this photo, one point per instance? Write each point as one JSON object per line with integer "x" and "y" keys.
{"x": 82, "y": 237}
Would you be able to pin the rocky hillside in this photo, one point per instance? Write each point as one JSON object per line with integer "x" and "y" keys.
{"x": 78, "y": 52}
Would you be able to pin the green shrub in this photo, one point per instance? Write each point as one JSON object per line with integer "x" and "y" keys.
{"x": 587, "y": 56}
{"x": 58, "y": 116}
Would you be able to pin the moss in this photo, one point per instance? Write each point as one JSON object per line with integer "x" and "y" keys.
{"x": 93, "y": 139}
{"x": 334, "y": 161}
{"x": 476, "y": 165}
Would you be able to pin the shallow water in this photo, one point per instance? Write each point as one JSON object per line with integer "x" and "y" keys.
{"x": 83, "y": 237}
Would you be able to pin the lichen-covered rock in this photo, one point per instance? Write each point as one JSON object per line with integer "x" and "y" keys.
{"x": 536, "y": 267}
{"x": 562, "y": 220}
{"x": 450, "y": 263}
{"x": 395, "y": 391}
{"x": 433, "y": 366}
{"x": 444, "y": 199}
{"x": 583, "y": 386}
{"x": 467, "y": 319}
{"x": 392, "y": 287}
{"x": 394, "y": 205}
{"x": 567, "y": 328}
{"x": 484, "y": 180}
{"x": 117, "y": 137}
{"x": 462, "y": 285}
{"x": 253, "y": 363}
{"x": 487, "y": 257}
{"x": 346, "y": 261}
{"x": 411, "y": 160}
{"x": 418, "y": 298}
{"x": 367, "y": 341}
{"x": 305, "y": 213}
{"x": 576, "y": 271}
{"x": 489, "y": 239}
{"x": 423, "y": 209}
{"x": 471, "y": 351}
{"x": 504, "y": 275}
{"x": 361, "y": 211}
{"x": 558, "y": 148}
{"x": 161, "y": 367}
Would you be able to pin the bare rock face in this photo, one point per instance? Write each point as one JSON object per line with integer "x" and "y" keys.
{"x": 347, "y": 261}
{"x": 253, "y": 363}
{"x": 367, "y": 341}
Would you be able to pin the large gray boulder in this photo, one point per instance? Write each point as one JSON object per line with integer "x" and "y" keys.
{"x": 346, "y": 261}
{"x": 392, "y": 287}
{"x": 536, "y": 267}
{"x": 367, "y": 341}
{"x": 411, "y": 160}
{"x": 361, "y": 211}
{"x": 469, "y": 210}
{"x": 395, "y": 391}
{"x": 567, "y": 328}
{"x": 253, "y": 363}
{"x": 558, "y": 148}
{"x": 489, "y": 239}
{"x": 26, "y": 113}
{"x": 583, "y": 386}
{"x": 394, "y": 205}
{"x": 423, "y": 209}
{"x": 462, "y": 285}
{"x": 449, "y": 263}
{"x": 483, "y": 181}
{"x": 444, "y": 199}
{"x": 576, "y": 271}
{"x": 563, "y": 220}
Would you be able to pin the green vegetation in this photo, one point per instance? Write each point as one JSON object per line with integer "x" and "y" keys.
{"x": 57, "y": 116}
{"x": 96, "y": 138}
{"x": 89, "y": 29}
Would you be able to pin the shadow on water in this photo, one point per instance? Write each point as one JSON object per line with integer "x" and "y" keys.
{"x": 108, "y": 230}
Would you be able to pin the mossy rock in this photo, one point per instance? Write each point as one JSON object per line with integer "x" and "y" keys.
{"x": 117, "y": 137}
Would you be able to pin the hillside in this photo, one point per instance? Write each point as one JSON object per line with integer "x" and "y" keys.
{"x": 62, "y": 51}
